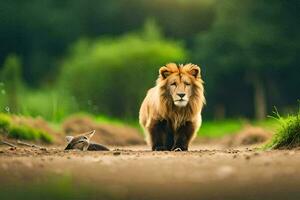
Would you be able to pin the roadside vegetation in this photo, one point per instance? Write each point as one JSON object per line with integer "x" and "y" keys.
{"x": 287, "y": 135}
{"x": 12, "y": 129}
{"x": 215, "y": 129}
{"x": 210, "y": 129}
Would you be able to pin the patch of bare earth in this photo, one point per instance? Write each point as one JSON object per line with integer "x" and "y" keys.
{"x": 229, "y": 168}
{"x": 249, "y": 135}
{"x": 134, "y": 172}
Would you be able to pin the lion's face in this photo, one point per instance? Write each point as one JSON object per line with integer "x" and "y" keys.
{"x": 180, "y": 82}
{"x": 180, "y": 88}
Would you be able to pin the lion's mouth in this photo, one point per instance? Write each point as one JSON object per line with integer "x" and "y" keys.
{"x": 181, "y": 102}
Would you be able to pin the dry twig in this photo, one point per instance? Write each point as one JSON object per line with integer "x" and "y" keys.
{"x": 29, "y": 145}
{"x": 8, "y": 144}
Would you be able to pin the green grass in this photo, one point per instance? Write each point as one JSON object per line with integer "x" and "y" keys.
{"x": 288, "y": 134}
{"x": 118, "y": 122}
{"x": 28, "y": 133}
{"x": 270, "y": 123}
{"x": 5, "y": 122}
{"x": 109, "y": 120}
{"x": 22, "y": 131}
{"x": 215, "y": 129}
{"x": 210, "y": 129}
{"x": 54, "y": 106}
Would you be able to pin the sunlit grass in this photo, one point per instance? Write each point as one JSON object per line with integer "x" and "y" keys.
{"x": 287, "y": 135}
{"x": 5, "y": 122}
{"x": 270, "y": 123}
{"x": 49, "y": 104}
{"x": 216, "y": 129}
{"x": 22, "y": 131}
{"x": 210, "y": 129}
{"x": 109, "y": 120}
{"x": 116, "y": 121}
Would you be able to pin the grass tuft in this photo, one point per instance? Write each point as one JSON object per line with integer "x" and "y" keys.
{"x": 288, "y": 134}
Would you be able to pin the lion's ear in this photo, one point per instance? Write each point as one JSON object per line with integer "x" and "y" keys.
{"x": 195, "y": 71}
{"x": 164, "y": 72}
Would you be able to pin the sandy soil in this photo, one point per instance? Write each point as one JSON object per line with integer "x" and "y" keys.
{"x": 135, "y": 173}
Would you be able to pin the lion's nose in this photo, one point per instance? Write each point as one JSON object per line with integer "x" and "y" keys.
{"x": 181, "y": 95}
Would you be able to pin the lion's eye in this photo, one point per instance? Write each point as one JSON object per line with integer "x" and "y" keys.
{"x": 186, "y": 83}
{"x": 173, "y": 84}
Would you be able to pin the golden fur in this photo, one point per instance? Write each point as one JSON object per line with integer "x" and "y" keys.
{"x": 163, "y": 104}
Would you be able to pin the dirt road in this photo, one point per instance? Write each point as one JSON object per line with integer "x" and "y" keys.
{"x": 134, "y": 173}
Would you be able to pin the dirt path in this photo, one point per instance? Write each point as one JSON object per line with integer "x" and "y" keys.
{"x": 133, "y": 173}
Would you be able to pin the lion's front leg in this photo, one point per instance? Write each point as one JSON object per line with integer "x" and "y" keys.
{"x": 183, "y": 137}
{"x": 159, "y": 136}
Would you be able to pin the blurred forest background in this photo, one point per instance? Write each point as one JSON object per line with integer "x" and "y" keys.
{"x": 100, "y": 56}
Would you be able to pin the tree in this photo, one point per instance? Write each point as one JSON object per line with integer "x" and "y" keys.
{"x": 250, "y": 37}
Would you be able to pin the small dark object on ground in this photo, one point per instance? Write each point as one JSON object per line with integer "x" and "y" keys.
{"x": 117, "y": 153}
{"x": 97, "y": 147}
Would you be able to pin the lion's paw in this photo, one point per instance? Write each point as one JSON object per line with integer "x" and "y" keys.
{"x": 177, "y": 149}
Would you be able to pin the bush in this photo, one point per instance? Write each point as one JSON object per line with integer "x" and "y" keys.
{"x": 112, "y": 75}
{"x": 288, "y": 135}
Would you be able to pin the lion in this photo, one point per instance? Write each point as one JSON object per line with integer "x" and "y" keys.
{"x": 171, "y": 111}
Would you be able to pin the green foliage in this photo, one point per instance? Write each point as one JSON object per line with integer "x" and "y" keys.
{"x": 51, "y": 104}
{"x": 11, "y": 72}
{"x": 288, "y": 135}
{"x": 22, "y": 131}
{"x": 109, "y": 120}
{"x": 249, "y": 47}
{"x": 117, "y": 121}
{"x": 237, "y": 43}
{"x": 44, "y": 30}
{"x": 112, "y": 75}
{"x": 248, "y": 41}
{"x": 269, "y": 124}
{"x": 11, "y": 79}
{"x": 28, "y": 133}
{"x": 5, "y": 122}
{"x": 215, "y": 129}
